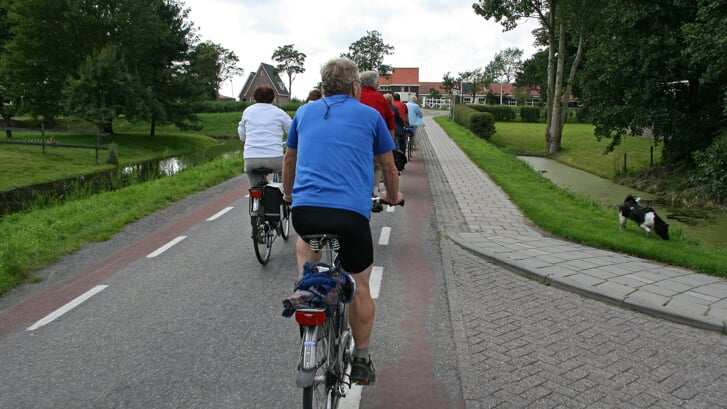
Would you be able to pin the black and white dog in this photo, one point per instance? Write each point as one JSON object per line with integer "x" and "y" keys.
{"x": 645, "y": 217}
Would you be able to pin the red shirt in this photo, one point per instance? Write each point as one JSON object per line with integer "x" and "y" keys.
{"x": 374, "y": 99}
{"x": 403, "y": 111}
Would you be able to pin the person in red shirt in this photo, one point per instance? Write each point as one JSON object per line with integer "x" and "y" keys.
{"x": 403, "y": 110}
{"x": 371, "y": 96}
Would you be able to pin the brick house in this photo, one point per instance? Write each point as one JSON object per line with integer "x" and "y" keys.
{"x": 265, "y": 75}
{"x": 406, "y": 82}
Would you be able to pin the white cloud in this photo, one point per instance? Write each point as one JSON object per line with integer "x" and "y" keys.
{"x": 438, "y": 36}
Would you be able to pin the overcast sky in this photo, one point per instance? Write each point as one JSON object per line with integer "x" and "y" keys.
{"x": 437, "y": 36}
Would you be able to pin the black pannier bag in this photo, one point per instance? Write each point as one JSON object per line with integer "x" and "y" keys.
{"x": 399, "y": 159}
{"x": 273, "y": 201}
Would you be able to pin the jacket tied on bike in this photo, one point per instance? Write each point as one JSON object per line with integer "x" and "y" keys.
{"x": 322, "y": 286}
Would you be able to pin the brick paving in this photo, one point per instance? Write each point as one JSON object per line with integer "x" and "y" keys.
{"x": 524, "y": 343}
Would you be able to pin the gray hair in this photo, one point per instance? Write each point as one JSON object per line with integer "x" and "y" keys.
{"x": 413, "y": 99}
{"x": 338, "y": 75}
{"x": 370, "y": 79}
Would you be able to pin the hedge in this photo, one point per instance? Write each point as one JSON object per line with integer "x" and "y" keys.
{"x": 500, "y": 112}
{"x": 481, "y": 124}
{"x": 529, "y": 114}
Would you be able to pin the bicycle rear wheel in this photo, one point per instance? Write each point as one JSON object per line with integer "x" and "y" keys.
{"x": 409, "y": 148}
{"x": 284, "y": 224}
{"x": 262, "y": 241}
{"x": 321, "y": 395}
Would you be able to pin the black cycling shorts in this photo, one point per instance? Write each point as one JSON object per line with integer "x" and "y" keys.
{"x": 357, "y": 248}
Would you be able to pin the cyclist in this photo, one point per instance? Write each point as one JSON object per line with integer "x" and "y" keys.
{"x": 328, "y": 168}
{"x": 261, "y": 131}
{"x": 415, "y": 117}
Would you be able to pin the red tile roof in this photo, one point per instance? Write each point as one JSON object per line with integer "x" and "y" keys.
{"x": 401, "y": 76}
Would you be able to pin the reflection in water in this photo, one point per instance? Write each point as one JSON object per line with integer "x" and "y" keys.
{"x": 164, "y": 167}
{"x": 706, "y": 226}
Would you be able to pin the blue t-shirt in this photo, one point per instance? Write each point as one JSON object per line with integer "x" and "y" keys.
{"x": 336, "y": 139}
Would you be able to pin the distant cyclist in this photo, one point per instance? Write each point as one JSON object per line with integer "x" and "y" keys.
{"x": 415, "y": 116}
{"x": 261, "y": 130}
{"x": 328, "y": 167}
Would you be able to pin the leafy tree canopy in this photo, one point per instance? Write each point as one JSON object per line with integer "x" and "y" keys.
{"x": 290, "y": 61}
{"x": 368, "y": 53}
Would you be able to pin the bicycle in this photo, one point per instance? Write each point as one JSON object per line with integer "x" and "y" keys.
{"x": 409, "y": 142}
{"x": 269, "y": 215}
{"x": 327, "y": 346}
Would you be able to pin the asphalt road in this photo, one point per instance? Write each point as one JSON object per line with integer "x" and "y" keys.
{"x": 181, "y": 315}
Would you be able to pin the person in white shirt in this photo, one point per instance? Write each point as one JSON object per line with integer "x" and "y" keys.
{"x": 261, "y": 130}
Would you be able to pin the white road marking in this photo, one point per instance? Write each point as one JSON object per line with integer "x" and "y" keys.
{"x": 220, "y": 213}
{"x": 377, "y": 274}
{"x": 390, "y": 209}
{"x": 384, "y": 236}
{"x": 352, "y": 399}
{"x": 64, "y": 309}
{"x": 353, "y": 395}
{"x": 165, "y": 247}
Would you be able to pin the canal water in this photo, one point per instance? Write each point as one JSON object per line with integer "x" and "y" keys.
{"x": 60, "y": 191}
{"x": 707, "y": 227}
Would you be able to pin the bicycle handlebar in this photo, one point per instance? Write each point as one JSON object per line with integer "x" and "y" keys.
{"x": 377, "y": 204}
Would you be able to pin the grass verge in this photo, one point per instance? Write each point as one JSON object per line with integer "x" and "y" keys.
{"x": 576, "y": 217}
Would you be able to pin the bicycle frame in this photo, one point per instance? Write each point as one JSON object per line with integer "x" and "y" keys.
{"x": 326, "y": 344}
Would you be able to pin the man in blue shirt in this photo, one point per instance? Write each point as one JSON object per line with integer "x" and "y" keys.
{"x": 328, "y": 168}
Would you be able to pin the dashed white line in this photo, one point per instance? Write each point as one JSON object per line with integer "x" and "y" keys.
{"x": 390, "y": 209}
{"x": 352, "y": 399}
{"x": 384, "y": 236}
{"x": 64, "y": 309}
{"x": 353, "y": 396}
{"x": 377, "y": 274}
{"x": 165, "y": 247}
{"x": 220, "y": 213}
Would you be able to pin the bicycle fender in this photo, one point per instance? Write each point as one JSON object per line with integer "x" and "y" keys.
{"x": 305, "y": 377}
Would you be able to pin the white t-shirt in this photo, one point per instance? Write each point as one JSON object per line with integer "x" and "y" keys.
{"x": 261, "y": 129}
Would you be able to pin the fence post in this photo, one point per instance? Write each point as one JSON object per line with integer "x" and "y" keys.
{"x": 651, "y": 156}
{"x": 625, "y": 162}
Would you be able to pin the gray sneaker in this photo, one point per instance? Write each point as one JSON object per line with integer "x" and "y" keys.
{"x": 362, "y": 371}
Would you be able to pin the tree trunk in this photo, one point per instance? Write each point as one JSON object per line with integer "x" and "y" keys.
{"x": 556, "y": 128}
{"x": 551, "y": 76}
{"x": 571, "y": 79}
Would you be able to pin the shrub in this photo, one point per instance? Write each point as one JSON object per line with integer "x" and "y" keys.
{"x": 481, "y": 124}
{"x": 530, "y": 114}
{"x": 712, "y": 168}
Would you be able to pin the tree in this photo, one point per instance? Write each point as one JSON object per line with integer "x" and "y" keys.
{"x": 504, "y": 66}
{"x": 559, "y": 19}
{"x": 7, "y": 101}
{"x": 706, "y": 40}
{"x": 533, "y": 73}
{"x": 40, "y": 55}
{"x": 212, "y": 64}
{"x": 368, "y": 53}
{"x": 290, "y": 61}
{"x": 474, "y": 81}
{"x": 103, "y": 89}
{"x": 650, "y": 65}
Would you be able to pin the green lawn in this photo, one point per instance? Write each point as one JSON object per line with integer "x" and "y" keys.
{"x": 23, "y": 165}
{"x": 580, "y": 148}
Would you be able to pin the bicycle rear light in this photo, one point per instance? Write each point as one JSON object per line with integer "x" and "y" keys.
{"x": 256, "y": 193}
{"x": 310, "y": 317}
